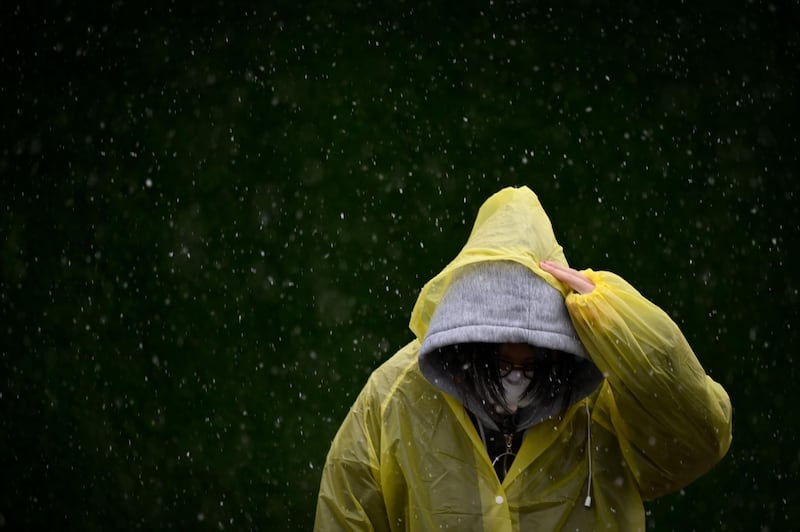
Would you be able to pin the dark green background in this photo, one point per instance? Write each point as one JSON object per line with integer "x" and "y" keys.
{"x": 216, "y": 220}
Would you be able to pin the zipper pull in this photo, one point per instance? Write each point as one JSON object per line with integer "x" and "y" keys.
{"x": 507, "y": 456}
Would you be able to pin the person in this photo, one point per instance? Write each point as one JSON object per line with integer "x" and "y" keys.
{"x": 534, "y": 397}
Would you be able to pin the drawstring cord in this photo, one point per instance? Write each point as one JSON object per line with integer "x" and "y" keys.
{"x": 588, "y": 502}
{"x": 483, "y": 435}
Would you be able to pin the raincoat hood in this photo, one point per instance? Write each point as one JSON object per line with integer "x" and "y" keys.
{"x": 495, "y": 292}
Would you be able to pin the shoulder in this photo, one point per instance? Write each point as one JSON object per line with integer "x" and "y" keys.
{"x": 397, "y": 369}
{"x": 397, "y": 392}
{"x": 397, "y": 384}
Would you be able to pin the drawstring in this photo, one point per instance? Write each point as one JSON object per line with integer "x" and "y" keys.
{"x": 588, "y": 502}
{"x": 483, "y": 435}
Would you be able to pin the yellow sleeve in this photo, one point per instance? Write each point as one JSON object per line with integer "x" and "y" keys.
{"x": 350, "y": 496}
{"x": 673, "y": 422}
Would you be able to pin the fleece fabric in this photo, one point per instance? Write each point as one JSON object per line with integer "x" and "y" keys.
{"x": 499, "y": 302}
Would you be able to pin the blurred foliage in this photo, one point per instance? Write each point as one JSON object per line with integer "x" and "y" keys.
{"x": 216, "y": 218}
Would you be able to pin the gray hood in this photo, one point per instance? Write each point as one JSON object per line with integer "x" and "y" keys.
{"x": 503, "y": 302}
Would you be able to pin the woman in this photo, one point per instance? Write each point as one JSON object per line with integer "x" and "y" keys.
{"x": 534, "y": 397}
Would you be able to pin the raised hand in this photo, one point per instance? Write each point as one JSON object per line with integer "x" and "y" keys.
{"x": 569, "y": 276}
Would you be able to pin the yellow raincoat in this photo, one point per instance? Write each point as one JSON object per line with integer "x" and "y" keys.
{"x": 407, "y": 456}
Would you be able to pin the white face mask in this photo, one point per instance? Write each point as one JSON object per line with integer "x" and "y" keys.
{"x": 515, "y": 384}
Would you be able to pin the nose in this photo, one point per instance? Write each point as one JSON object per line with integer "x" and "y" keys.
{"x": 517, "y": 353}
{"x": 516, "y": 376}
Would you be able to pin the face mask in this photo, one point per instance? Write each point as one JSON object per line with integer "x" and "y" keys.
{"x": 515, "y": 384}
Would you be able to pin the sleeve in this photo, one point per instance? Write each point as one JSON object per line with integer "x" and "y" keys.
{"x": 350, "y": 496}
{"x": 672, "y": 421}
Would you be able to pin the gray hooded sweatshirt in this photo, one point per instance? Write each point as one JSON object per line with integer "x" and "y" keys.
{"x": 504, "y": 302}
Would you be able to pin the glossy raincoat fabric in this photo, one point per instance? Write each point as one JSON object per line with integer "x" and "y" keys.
{"x": 407, "y": 456}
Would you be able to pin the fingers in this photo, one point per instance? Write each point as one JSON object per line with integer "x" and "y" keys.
{"x": 569, "y": 276}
